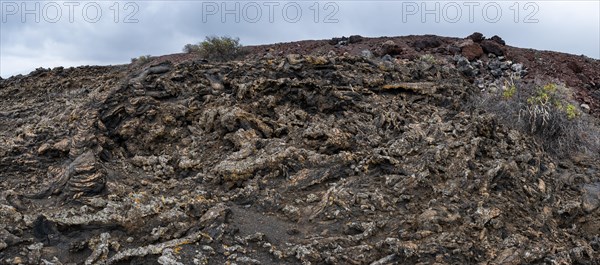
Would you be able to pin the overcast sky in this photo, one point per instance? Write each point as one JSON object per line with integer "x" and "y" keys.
{"x": 56, "y": 33}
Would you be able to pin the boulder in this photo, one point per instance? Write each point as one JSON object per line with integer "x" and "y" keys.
{"x": 519, "y": 69}
{"x": 366, "y": 54}
{"x": 476, "y": 37}
{"x": 492, "y": 47}
{"x": 472, "y": 51}
{"x": 453, "y": 49}
{"x": 346, "y": 40}
{"x": 427, "y": 43}
{"x": 355, "y": 39}
{"x": 498, "y": 40}
{"x": 465, "y": 67}
{"x": 334, "y": 41}
{"x": 391, "y": 48}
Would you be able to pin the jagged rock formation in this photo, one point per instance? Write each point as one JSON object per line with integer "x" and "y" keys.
{"x": 300, "y": 159}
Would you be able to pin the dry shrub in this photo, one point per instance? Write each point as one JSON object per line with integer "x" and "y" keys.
{"x": 545, "y": 111}
{"x": 217, "y": 48}
{"x": 141, "y": 60}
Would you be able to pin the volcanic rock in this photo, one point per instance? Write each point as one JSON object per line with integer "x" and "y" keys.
{"x": 355, "y": 39}
{"x": 390, "y": 48}
{"x": 498, "y": 40}
{"x": 472, "y": 52}
{"x": 346, "y": 40}
{"x": 492, "y": 47}
{"x": 312, "y": 155}
{"x": 476, "y": 37}
{"x": 428, "y": 43}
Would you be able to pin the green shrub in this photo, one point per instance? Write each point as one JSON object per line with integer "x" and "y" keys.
{"x": 141, "y": 60}
{"x": 191, "y": 48}
{"x": 547, "y": 103}
{"x": 571, "y": 111}
{"x": 510, "y": 89}
{"x": 428, "y": 58}
{"x": 216, "y": 48}
{"x": 544, "y": 111}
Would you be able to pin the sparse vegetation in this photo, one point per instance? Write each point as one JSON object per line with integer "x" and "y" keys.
{"x": 216, "y": 48}
{"x": 510, "y": 89}
{"x": 191, "y": 48}
{"x": 546, "y": 111}
{"x": 571, "y": 111}
{"x": 142, "y": 59}
{"x": 428, "y": 58}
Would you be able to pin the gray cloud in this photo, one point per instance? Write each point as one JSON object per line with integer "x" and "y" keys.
{"x": 163, "y": 27}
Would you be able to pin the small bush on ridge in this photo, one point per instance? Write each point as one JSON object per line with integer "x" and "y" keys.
{"x": 142, "y": 59}
{"x": 216, "y": 48}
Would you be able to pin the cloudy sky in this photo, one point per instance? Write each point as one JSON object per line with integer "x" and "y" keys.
{"x": 56, "y": 33}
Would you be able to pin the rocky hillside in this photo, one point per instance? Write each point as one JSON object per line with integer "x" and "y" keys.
{"x": 347, "y": 151}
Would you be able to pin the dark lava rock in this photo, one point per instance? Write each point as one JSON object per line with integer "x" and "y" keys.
{"x": 346, "y": 40}
{"x": 519, "y": 69}
{"x": 355, "y": 39}
{"x": 43, "y": 229}
{"x": 498, "y": 40}
{"x": 428, "y": 43}
{"x": 476, "y": 37}
{"x": 472, "y": 51}
{"x": 453, "y": 49}
{"x": 391, "y": 48}
{"x": 335, "y": 41}
{"x": 159, "y": 69}
{"x": 465, "y": 67}
{"x": 496, "y": 68}
{"x": 576, "y": 68}
{"x": 492, "y": 47}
